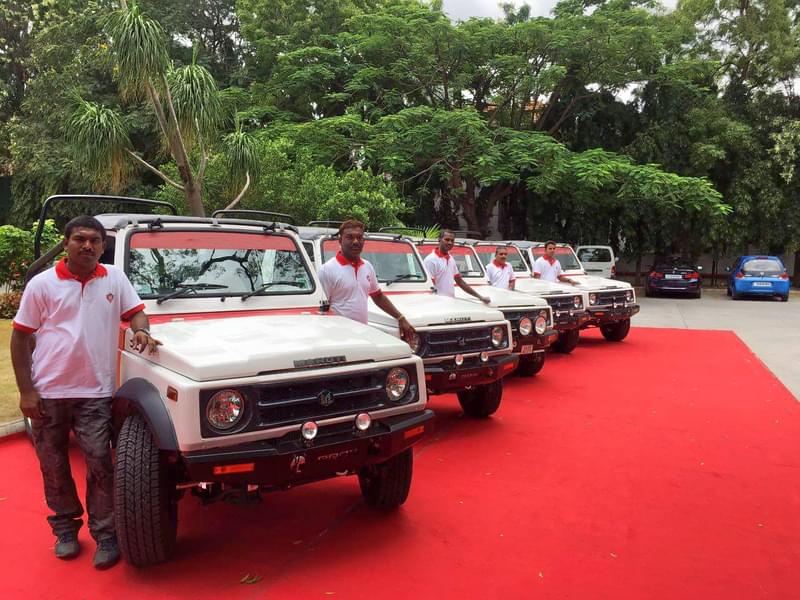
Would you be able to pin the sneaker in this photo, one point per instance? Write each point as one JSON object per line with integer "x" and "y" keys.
{"x": 107, "y": 553}
{"x": 67, "y": 546}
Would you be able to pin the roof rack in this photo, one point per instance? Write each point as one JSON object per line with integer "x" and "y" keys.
{"x": 400, "y": 230}
{"x": 331, "y": 224}
{"x": 58, "y": 198}
{"x": 261, "y": 213}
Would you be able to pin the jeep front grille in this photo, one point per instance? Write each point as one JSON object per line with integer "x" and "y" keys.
{"x": 560, "y": 302}
{"x": 609, "y": 298}
{"x": 458, "y": 341}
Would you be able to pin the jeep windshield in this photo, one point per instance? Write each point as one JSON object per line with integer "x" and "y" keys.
{"x": 564, "y": 255}
{"x": 394, "y": 261}
{"x": 486, "y": 252}
{"x": 466, "y": 261}
{"x": 166, "y": 263}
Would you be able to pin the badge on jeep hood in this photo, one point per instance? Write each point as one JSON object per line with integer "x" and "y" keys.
{"x": 457, "y": 319}
{"x": 322, "y": 361}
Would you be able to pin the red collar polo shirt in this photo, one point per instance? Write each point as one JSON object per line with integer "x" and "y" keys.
{"x": 76, "y": 322}
{"x": 548, "y": 268}
{"x": 443, "y": 271}
{"x": 500, "y": 275}
{"x": 348, "y": 285}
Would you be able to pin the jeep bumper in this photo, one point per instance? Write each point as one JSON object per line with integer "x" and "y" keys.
{"x": 442, "y": 378}
{"x": 610, "y": 314}
{"x": 291, "y": 460}
{"x": 528, "y": 344}
{"x": 564, "y": 320}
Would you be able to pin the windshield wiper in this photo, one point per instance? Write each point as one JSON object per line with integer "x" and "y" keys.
{"x": 389, "y": 282}
{"x": 265, "y": 286}
{"x": 186, "y": 288}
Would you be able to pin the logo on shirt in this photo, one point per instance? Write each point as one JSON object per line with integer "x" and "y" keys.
{"x": 109, "y": 297}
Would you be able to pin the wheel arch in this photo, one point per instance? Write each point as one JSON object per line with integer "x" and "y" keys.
{"x": 138, "y": 396}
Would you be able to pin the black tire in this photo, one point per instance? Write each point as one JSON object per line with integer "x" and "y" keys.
{"x": 728, "y": 291}
{"x": 616, "y": 332}
{"x": 698, "y": 295}
{"x": 567, "y": 340}
{"x": 386, "y": 485}
{"x": 531, "y": 364}
{"x": 785, "y": 298}
{"x": 145, "y": 498}
{"x": 482, "y": 400}
{"x": 647, "y": 292}
{"x": 734, "y": 294}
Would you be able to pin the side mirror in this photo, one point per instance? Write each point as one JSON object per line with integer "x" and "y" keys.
{"x": 727, "y": 269}
{"x": 699, "y": 267}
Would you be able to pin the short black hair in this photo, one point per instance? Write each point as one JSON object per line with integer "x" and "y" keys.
{"x": 351, "y": 224}
{"x": 86, "y": 222}
{"x": 548, "y": 242}
{"x": 501, "y": 247}
{"x": 446, "y": 231}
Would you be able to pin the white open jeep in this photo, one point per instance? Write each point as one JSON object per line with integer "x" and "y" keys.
{"x": 568, "y": 303}
{"x": 256, "y": 386}
{"x": 612, "y": 302}
{"x": 466, "y": 346}
{"x": 531, "y": 317}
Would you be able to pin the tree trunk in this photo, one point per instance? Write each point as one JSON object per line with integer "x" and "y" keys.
{"x": 638, "y": 277}
{"x": 469, "y": 207}
{"x": 194, "y": 199}
{"x": 796, "y": 279}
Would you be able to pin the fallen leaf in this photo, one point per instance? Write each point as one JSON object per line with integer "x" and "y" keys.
{"x": 614, "y": 555}
{"x": 250, "y": 579}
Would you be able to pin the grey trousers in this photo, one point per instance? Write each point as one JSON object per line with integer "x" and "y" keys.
{"x": 90, "y": 419}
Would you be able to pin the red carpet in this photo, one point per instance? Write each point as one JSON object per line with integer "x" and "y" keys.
{"x": 663, "y": 467}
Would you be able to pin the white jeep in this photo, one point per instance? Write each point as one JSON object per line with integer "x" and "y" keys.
{"x": 568, "y": 303}
{"x": 612, "y": 302}
{"x": 466, "y": 346}
{"x": 530, "y": 316}
{"x": 255, "y": 387}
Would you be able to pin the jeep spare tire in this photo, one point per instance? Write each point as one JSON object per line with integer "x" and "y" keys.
{"x": 481, "y": 401}
{"x": 145, "y": 498}
{"x": 567, "y": 340}
{"x": 616, "y": 332}
{"x": 386, "y": 485}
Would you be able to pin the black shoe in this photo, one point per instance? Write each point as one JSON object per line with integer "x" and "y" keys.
{"x": 107, "y": 553}
{"x": 67, "y": 546}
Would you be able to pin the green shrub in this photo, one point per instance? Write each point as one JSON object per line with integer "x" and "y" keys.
{"x": 9, "y": 304}
{"x": 16, "y": 251}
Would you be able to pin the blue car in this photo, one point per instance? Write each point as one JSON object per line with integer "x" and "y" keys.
{"x": 759, "y": 276}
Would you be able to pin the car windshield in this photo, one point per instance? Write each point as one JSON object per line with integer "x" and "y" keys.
{"x": 769, "y": 266}
{"x": 393, "y": 260}
{"x": 486, "y": 252}
{"x": 564, "y": 255}
{"x": 216, "y": 263}
{"x": 466, "y": 261}
{"x": 593, "y": 255}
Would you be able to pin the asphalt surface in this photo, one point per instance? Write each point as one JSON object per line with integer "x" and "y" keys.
{"x": 769, "y": 327}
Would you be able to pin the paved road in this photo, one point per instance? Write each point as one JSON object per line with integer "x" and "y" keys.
{"x": 770, "y": 328}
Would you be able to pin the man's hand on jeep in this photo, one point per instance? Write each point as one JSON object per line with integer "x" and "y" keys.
{"x": 142, "y": 339}
{"x": 31, "y": 404}
{"x": 407, "y": 331}
{"x": 486, "y": 300}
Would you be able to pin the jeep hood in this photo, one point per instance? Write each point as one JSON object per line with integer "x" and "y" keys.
{"x": 592, "y": 283}
{"x": 503, "y": 299}
{"x": 227, "y": 348}
{"x": 426, "y": 309}
{"x": 529, "y": 285}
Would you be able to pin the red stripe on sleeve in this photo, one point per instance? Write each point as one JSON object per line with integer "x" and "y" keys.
{"x": 375, "y": 293}
{"x": 126, "y": 316}
{"x": 457, "y": 275}
{"x": 22, "y": 328}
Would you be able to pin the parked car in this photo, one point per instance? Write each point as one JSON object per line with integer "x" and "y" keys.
{"x": 674, "y": 275}
{"x": 256, "y": 386}
{"x": 759, "y": 276}
{"x": 598, "y": 260}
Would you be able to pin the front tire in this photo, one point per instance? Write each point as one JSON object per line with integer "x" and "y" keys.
{"x": 567, "y": 340}
{"x": 531, "y": 364}
{"x": 386, "y": 485}
{"x": 482, "y": 400}
{"x": 145, "y": 498}
{"x": 616, "y": 332}
{"x": 785, "y": 298}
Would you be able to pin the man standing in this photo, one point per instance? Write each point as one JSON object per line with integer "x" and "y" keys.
{"x": 444, "y": 271}
{"x": 548, "y": 268}
{"x": 499, "y": 272}
{"x": 66, "y": 384}
{"x": 349, "y": 281}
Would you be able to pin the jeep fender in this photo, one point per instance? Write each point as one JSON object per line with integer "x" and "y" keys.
{"x": 139, "y": 396}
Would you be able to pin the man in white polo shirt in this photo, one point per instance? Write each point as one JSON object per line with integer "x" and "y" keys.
{"x": 444, "y": 271}
{"x": 349, "y": 281}
{"x": 74, "y": 310}
{"x": 499, "y": 272}
{"x": 547, "y": 266}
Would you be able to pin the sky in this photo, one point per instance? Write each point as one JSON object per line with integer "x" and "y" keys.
{"x": 464, "y": 9}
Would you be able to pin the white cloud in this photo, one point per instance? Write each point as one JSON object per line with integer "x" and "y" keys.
{"x": 460, "y": 10}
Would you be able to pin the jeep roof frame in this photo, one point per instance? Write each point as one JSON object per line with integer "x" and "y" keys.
{"x": 244, "y": 211}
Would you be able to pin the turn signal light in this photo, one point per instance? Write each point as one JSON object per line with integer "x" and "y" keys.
{"x": 740, "y": 275}
{"x": 656, "y": 275}
{"x": 784, "y": 276}
{"x": 229, "y": 469}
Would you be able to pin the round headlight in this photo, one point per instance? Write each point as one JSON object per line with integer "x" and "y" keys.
{"x": 484, "y": 357}
{"x": 363, "y": 421}
{"x": 414, "y": 342}
{"x": 309, "y": 430}
{"x": 544, "y": 315}
{"x": 592, "y": 299}
{"x": 541, "y": 325}
{"x": 577, "y": 302}
{"x": 629, "y": 295}
{"x": 498, "y": 336}
{"x": 525, "y": 326}
{"x": 396, "y": 383}
{"x": 225, "y": 409}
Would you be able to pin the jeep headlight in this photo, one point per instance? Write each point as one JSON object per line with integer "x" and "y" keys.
{"x": 225, "y": 409}
{"x": 541, "y": 324}
{"x": 498, "y": 336}
{"x": 414, "y": 342}
{"x": 544, "y": 315}
{"x": 577, "y": 302}
{"x": 396, "y": 384}
{"x": 592, "y": 299}
{"x": 629, "y": 295}
{"x": 525, "y": 326}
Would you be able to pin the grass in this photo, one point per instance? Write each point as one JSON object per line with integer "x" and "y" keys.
{"x": 9, "y": 398}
